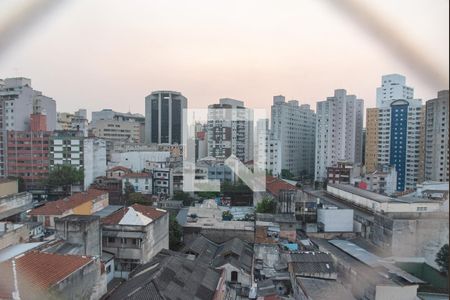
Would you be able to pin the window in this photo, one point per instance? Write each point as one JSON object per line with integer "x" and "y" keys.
{"x": 234, "y": 276}
{"x": 111, "y": 240}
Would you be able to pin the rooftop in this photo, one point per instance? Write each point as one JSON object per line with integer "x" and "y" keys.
{"x": 324, "y": 289}
{"x": 38, "y": 271}
{"x": 136, "y": 214}
{"x": 169, "y": 275}
{"x": 234, "y": 251}
{"x": 119, "y": 168}
{"x": 60, "y": 206}
{"x": 14, "y": 250}
{"x": 274, "y": 185}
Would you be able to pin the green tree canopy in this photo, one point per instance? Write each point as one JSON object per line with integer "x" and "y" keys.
{"x": 64, "y": 176}
{"x": 286, "y": 174}
{"x": 267, "y": 205}
{"x": 175, "y": 234}
{"x": 442, "y": 258}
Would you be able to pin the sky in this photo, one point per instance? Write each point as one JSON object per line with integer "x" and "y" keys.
{"x": 112, "y": 53}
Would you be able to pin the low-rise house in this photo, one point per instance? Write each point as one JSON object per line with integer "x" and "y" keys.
{"x": 134, "y": 235}
{"x": 170, "y": 275}
{"x": 161, "y": 181}
{"x": 39, "y": 275}
{"x": 111, "y": 185}
{"x": 234, "y": 257}
{"x": 84, "y": 203}
{"x": 141, "y": 182}
{"x": 117, "y": 172}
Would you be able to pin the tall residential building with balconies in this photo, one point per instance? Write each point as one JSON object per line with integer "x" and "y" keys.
{"x": 393, "y": 87}
{"x": 293, "y": 126}
{"x": 394, "y": 132}
{"x": 164, "y": 117}
{"x": 339, "y": 132}
{"x": 436, "y": 138}
{"x": 18, "y": 100}
{"x": 229, "y": 130}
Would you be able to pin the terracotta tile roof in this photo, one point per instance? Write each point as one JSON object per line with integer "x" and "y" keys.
{"x": 147, "y": 211}
{"x": 58, "y": 207}
{"x": 137, "y": 175}
{"x": 37, "y": 272}
{"x": 274, "y": 185}
{"x": 119, "y": 168}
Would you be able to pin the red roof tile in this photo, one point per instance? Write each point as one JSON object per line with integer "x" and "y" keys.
{"x": 58, "y": 207}
{"x": 37, "y": 272}
{"x": 147, "y": 211}
{"x": 119, "y": 168}
{"x": 274, "y": 185}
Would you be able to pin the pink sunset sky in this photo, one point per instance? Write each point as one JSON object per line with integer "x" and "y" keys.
{"x": 112, "y": 53}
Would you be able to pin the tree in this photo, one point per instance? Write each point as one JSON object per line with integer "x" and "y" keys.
{"x": 64, "y": 176}
{"x": 138, "y": 198}
{"x": 267, "y": 205}
{"x": 175, "y": 234}
{"x": 286, "y": 174}
{"x": 442, "y": 259}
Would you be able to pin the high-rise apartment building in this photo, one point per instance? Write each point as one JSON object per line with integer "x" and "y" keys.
{"x": 371, "y": 147}
{"x": 268, "y": 150}
{"x": 70, "y": 147}
{"x": 339, "y": 132}
{"x": 393, "y": 87}
{"x": 230, "y": 130}
{"x": 164, "y": 117}
{"x": 28, "y": 153}
{"x": 436, "y": 138}
{"x": 114, "y": 130}
{"x": 293, "y": 126}
{"x": 76, "y": 121}
{"x": 18, "y": 100}
{"x": 394, "y": 132}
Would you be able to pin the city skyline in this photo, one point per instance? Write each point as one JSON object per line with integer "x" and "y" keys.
{"x": 231, "y": 57}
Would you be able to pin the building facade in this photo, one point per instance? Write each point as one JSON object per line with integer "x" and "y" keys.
{"x": 339, "y": 132}
{"x": 164, "y": 117}
{"x": 115, "y": 130}
{"x": 393, "y": 87}
{"x": 141, "y": 182}
{"x": 399, "y": 134}
{"x": 293, "y": 127}
{"x": 436, "y": 138}
{"x": 94, "y": 155}
{"x": 18, "y": 100}
{"x": 229, "y": 130}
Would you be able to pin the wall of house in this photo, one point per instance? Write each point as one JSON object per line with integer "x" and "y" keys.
{"x": 13, "y": 235}
{"x": 157, "y": 238}
{"x": 82, "y": 233}
{"x": 383, "y": 292}
{"x": 411, "y": 237}
{"x": 243, "y": 278}
{"x": 14, "y": 204}
{"x": 85, "y": 283}
{"x": 8, "y": 187}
